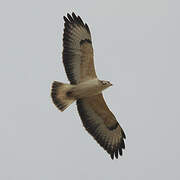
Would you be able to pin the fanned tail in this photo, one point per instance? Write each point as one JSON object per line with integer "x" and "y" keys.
{"x": 59, "y": 95}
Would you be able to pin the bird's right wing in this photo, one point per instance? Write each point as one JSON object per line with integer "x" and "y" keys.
{"x": 100, "y": 122}
{"x": 78, "y": 50}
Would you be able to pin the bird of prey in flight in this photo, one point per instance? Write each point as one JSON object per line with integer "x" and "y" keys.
{"x": 85, "y": 88}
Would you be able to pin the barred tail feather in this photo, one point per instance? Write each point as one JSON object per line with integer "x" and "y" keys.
{"x": 59, "y": 95}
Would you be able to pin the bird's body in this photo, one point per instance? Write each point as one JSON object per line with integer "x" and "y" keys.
{"x": 86, "y": 88}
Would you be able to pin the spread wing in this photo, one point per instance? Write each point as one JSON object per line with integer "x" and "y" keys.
{"x": 101, "y": 124}
{"x": 78, "y": 51}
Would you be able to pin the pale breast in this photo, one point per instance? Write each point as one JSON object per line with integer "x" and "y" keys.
{"x": 86, "y": 89}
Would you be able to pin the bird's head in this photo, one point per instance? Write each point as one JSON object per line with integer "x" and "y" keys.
{"x": 105, "y": 84}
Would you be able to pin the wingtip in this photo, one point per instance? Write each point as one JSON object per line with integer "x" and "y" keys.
{"x": 66, "y": 19}
{"x": 74, "y": 15}
{"x": 120, "y": 152}
{"x": 68, "y": 14}
{"x": 74, "y": 19}
{"x": 116, "y": 154}
{"x": 87, "y": 28}
{"x": 112, "y": 156}
{"x": 122, "y": 144}
{"x": 123, "y": 134}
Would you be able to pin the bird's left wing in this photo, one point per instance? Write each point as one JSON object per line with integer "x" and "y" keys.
{"x": 100, "y": 122}
{"x": 78, "y": 50}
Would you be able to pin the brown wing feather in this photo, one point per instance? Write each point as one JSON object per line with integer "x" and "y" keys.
{"x": 78, "y": 51}
{"x": 87, "y": 70}
{"x": 101, "y": 124}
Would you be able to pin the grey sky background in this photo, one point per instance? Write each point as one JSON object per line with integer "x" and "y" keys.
{"x": 136, "y": 45}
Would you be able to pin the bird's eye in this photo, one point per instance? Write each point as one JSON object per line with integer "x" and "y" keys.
{"x": 104, "y": 82}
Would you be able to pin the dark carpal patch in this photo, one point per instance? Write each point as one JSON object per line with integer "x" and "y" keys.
{"x": 85, "y": 41}
{"x": 113, "y": 127}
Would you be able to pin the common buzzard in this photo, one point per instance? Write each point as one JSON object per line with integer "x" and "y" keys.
{"x": 85, "y": 88}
